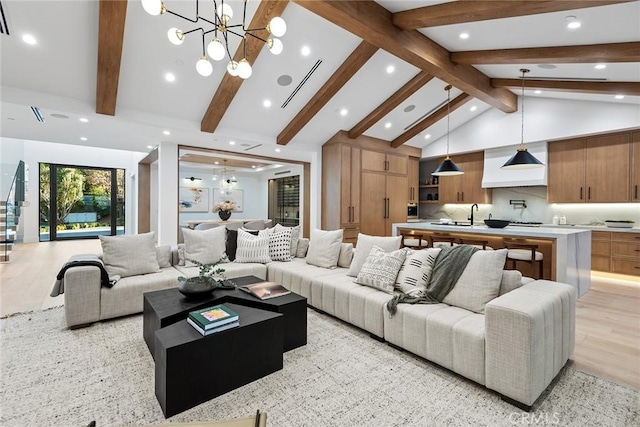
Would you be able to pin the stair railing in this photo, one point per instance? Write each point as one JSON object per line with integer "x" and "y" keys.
{"x": 13, "y": 202}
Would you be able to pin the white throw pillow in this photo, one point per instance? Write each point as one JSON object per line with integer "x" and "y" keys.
{"x": 416, "y": 270}
{"x": 280, "y": 245}
{"x": 479, "y": 283}
{"x": 303, "y": 247}
{"x": 381, "y": 268}
{"x": 346, "y": 255}
{"x": 295, "y": 236}
{"x": 364, "y": 246}
{"x": 126, "y": 256}
{"x": 163, "y": 255}
{"x": 205, "y": 246}
{"x": 252, "y": 248}
{"x": 324, "y": 248}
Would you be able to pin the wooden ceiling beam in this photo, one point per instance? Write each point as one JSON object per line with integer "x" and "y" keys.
{"x": 603, "y": 88}
{"x": 372, "y": 22}
{"x": 582, "y": 54}
{"x": 343, "y": 74}
{"x": 229, "y": 87}
{"x": 437, "y": 115}
{"x": 459, "y": 12}
{"x": 112, "y": 16}
{"x": 392, "y": 102}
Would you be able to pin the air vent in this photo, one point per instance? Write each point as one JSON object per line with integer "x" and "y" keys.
{"x": 253, "y": 147}
{"x": 38, "y": 114}
{"x": 281, "y": 172}
{"x": 4, "y": 28}
{"x": 419, "y": 119}
{"x": 577, "y": 79}
{"x": 304, "y": 80}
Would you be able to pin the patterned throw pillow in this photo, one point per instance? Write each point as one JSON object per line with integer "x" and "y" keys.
{"x": 252, "y": 248}
{"x": 280, "y": 245}
{"x": 415, "y": 272}
{"x": 381, "y": 268}
{"x": 295, "y": 236}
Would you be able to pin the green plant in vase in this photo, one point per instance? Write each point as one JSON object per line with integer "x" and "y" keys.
{"x": 210, "y": 276}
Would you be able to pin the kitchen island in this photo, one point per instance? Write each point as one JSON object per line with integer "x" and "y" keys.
{"x": 567, "y": 251}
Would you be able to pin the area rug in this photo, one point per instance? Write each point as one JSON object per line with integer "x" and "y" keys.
{"x": 51, "y": 376}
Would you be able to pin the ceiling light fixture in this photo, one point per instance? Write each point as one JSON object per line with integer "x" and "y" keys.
{"x": 266, "y": 103}
{"x": 387, "y": 125}
{"x": 29, "y": 39}
{"x": 448, "y": 167}
{"x": 277, "y": 150}
{"x": 619, "y": 97}
{"x": 537, "y": 92}
{"x": 83, "y": 120}
{"x": 305, "y": 51}
{"x": 473, "y": 108}
{"x": 170, "y": 77}
{"x": 464, "y": 36}
{"x": 344, "y": 112}
{"x": 166, "y": 132}
{"x": 226, "y": 177}
{"x": 600, "y": 66}
{"x": 390, "y": 69}
{"x": 83, "y": 138}
{"x": 218, "y": 47}
{"x": 522, "y": 159}
{"x": 572, "y": 22}
{"x": 427, "y": 136}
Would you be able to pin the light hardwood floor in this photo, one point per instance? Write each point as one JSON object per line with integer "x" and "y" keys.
{"x": 607, "y": 317}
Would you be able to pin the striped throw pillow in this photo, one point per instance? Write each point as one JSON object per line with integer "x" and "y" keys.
{"x": 252, "y": 248}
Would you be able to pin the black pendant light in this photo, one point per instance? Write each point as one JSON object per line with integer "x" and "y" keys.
{"x": 523, "y": 159}
{"x": 448, "y": 167}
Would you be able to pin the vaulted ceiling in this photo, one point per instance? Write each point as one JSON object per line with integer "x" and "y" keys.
{"x": 373, "y": 68}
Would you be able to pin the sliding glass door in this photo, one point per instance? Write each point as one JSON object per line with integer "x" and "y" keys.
{"x": 79, "y": 202}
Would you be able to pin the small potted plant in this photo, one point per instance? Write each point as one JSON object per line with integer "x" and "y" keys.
{"x": 210, "y": 276}
{"x": 224, "y": 209}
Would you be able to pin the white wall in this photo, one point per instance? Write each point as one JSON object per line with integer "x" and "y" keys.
{"x": 167, "y": 194}
{"x": 545, "y": 119}
{"x": 35, "y": 152}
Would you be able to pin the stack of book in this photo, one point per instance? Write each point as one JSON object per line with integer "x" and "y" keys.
{"x": 214, "y": 319}
{"x": 265, "y": 290}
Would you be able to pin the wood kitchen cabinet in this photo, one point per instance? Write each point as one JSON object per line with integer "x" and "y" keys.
{"x": 601, "y": 250}
{"x": 615, "y": 252}
{"x": 635, "y": 168}
{"x": 465, "y": 188}
{"x": 341, "y": 190}
{"x": 384, "y": 162}
{"x": 413, "y": 178}
{"x": 590, "y": 170}
{"x": 384, "y": 203}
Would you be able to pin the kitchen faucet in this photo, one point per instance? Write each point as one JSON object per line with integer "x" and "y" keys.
{"x": 471, "y": 217}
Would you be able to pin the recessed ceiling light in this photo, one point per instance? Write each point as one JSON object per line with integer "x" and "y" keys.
{"x": 473, "y": 108}
{"x": 84, "y": 120}
{"x": 59, "y": 116}
{"x": 277, "y": 150}
{"x": 387, "y": 125}
{"x": 427, "y": 136}
{"x": 259, "y": 170}
{"x": 390, "y": 69}
{"x": 344, "y": 112}
{"x": 84, "y": 138}
{"x": 216, "y": 163}
{"x": 266, "y": 103}
{"x": 537, "y": 92}
{"x": 170, "y": 77}
{"x": 253, "y": 166}
{"x": 464, "y": 36}
{"x": 166, "y": 132}
{"x": 547, "y": 66}
{"x": 305, "y": 51}
{"x": 150, "y": 147}
{"x": 572, "y": 22}
{"x": 409, "y": 108}
{"x": 600, "y": 66}
{"x": 232, "y": 143}
{"x": 619, "y": 97}
{"x": 29, "y": 39}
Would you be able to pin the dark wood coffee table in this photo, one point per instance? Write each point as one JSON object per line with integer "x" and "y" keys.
{"x": 191, "y": 369}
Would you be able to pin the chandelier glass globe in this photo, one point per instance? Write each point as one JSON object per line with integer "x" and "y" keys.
{"x": 175, "y": 36}
{"x": 215, "y": 49}
{"x": 152, "y": 7}
{"x": 225, "y": 13}
{"x": 277, "y": 27}
{"x": 244, "y": 69}
{"x": 204, "y": 67}
{"x": 275, "y": 46}
{"x": 232, "y": 68}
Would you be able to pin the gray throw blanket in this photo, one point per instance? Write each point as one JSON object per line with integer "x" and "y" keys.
{"x": 81, "y": 260}
{"x": 447, "y": 268}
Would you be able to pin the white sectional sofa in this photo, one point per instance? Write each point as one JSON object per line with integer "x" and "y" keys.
{"x": 516, "y": 347}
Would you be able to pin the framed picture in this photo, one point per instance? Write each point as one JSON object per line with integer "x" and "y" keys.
{"x": 225, "y": 195}
{"x": 194, "y": 199}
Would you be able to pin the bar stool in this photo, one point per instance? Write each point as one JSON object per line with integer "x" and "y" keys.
{"x": 525, "y": 252}
{"x": 478, "y": 243}
{"x": 413, "y": 240}
{"x": 438, "y": 240}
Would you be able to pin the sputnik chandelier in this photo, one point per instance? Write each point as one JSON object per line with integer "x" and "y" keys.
{"x": 218, "y": 47}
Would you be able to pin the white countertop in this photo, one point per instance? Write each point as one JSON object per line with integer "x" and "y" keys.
{"x": 510, "y": 230}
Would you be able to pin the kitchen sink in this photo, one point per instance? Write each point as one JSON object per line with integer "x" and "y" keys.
{"x": 454, "y": 223}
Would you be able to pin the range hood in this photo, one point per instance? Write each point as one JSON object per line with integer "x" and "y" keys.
{"x": 494, "y": 176}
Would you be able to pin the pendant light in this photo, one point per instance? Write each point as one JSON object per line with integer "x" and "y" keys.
{"x": 522, "y": 159}
{"x": 448, "y": 167}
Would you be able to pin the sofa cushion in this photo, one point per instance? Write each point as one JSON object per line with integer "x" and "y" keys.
{"x": 324, "y": 248}
{"x": 164, "y": 256}
{"x": 280, "y": 245}
{"x": 511, "y": 279}
{"x": 303, "y": 247}
{"x": 295, "y": 236}
{"x": 346, "y": 255}
{"x": 416, "y": 270}
{"x": 479, "y": 283}
{"x": 231, "y": 244}
{"x": 252, "y": 248}
{"x": 126, "y": 256}
{"x": 365, "y": 244}
{"x": 205, "y": 246}
{"x": 380, "y": 269}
